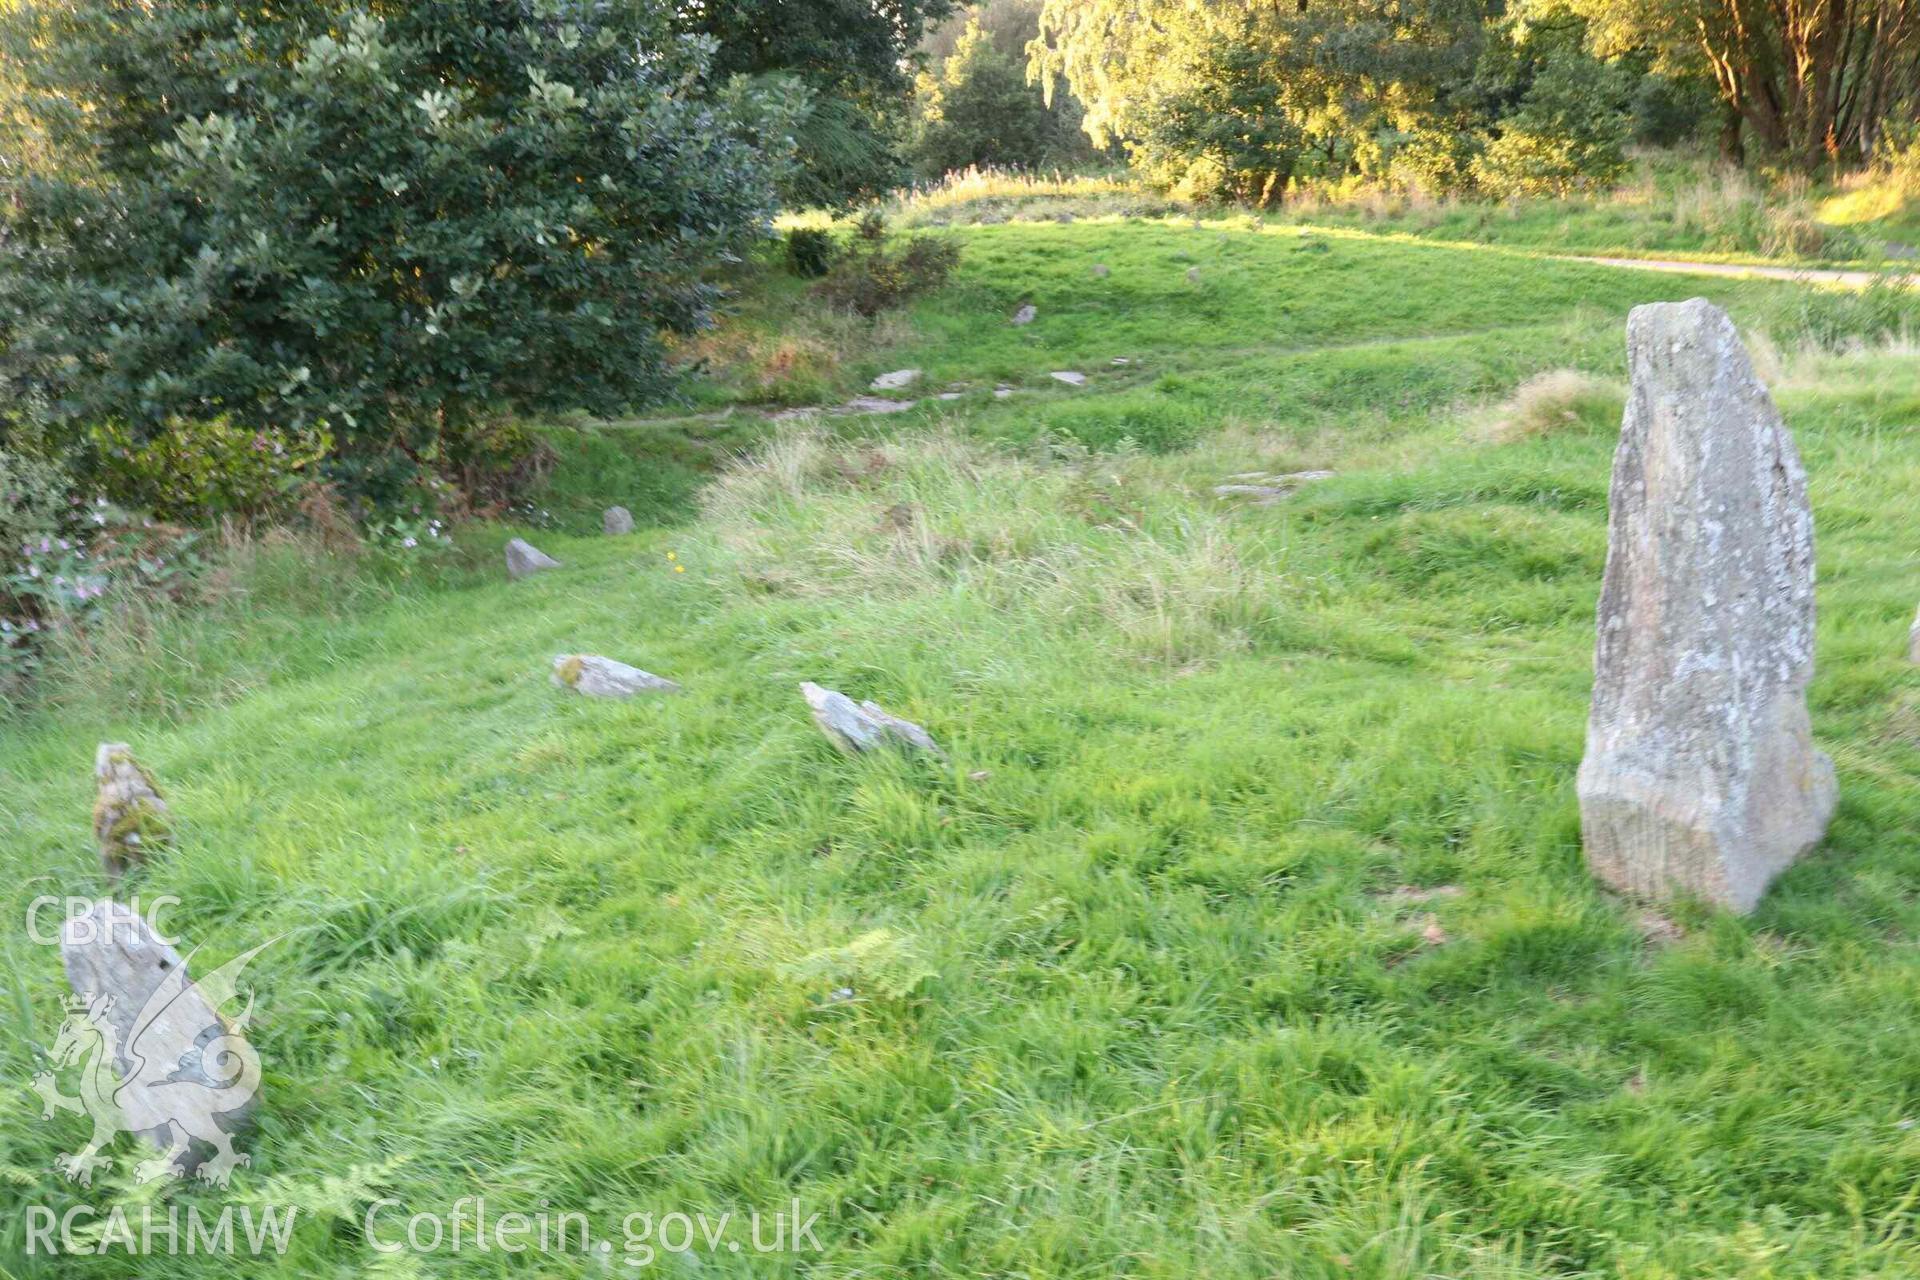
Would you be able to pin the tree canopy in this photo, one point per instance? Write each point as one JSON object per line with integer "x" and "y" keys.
{"x": 978, "y": 108}
{"x": 855, "y": 59}
{"x": 1237, "y": 97}
{"x": 1808, "y": 79}
{"x": 1240, "y": 98}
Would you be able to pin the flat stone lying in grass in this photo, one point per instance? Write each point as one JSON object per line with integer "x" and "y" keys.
{"x": 1069, "y": 377}
{"x": 896, "y": 380}
{"x": 1265, "y": 490}
{"x": 1101, "y": 271}
{"x": 865, "y": 726}
{"x": 1002, "y": 392}
{"x": 179, "y": 1070}
{"x": 1700, "y": 775}
{"x": 524, "y": 558}
{"x": 875, "y": 404}
{"x": 599, "y": 677}
{"x": 129, "y": 817}
{"x": 616, "y": 521}
{"x": 1025, "y": 316}
{"x": 1413, "y": 893}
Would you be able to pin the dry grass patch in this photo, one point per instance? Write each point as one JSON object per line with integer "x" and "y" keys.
{"x": 1553, "y": 401}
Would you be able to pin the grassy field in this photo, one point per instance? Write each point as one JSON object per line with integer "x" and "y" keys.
{"x": 1244, "y": 934}
{"x": 1670, "y": 205}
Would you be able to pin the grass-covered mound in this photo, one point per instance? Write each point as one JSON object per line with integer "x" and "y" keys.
{"x": 1244, "y": 934}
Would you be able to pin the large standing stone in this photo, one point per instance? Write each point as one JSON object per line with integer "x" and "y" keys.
{"x": 182, "y": 1073}
{"x": 599, "y": 677}
{"x": 129, "y": 817}
{"x": 1700, "y": 774}
{"x": 863, "y": 726}
{"x": 524, "y": 558}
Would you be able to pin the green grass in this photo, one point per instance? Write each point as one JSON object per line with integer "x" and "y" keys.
{"x": 1139, "y": 984}
{"x": 1671, "y": 204}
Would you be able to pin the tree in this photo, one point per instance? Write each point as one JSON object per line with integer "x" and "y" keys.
{"x": 1240, "y": 98}
{"x": 390, "y": 220}
{"x": 1809, "y": 80}
{"x": 854, "y": 58}
{"x": 979, "y": 109}
{"x": 1568, "y": 130}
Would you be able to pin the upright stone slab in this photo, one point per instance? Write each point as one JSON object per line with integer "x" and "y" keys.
{"x": 129, "y": 817}
{"x": 184, "y": 1077}
{"x": 1700, "y": 774}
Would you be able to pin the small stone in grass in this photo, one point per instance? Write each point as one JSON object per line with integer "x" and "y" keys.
{"x": 896, "y": 380}
{"x": 875, "y": 404}
{"x": 604, "y": 678}
{"x": 1069, "y": 377}
{"x": 616, "y": 521}
{"x": 524, "y": 558}
{"x": 1025, "y": 315}
{"x": 864, "y": 726}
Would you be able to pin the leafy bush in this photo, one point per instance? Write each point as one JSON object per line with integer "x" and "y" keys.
{"x": 809, "y": 252}
{"x": 56, "y": 585}
{"x": 200, "y": 470}
{"x": 36, "y": 498}
{"x": 1569, "y": 132}
{"x": 1667, "y": 112}
{"x": 388, "y": 224}
{"x": 876, "y": 273}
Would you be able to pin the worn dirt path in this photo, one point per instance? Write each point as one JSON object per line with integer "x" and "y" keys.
{"x": 1824, "y": 275}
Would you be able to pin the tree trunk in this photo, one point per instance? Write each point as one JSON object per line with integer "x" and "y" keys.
{"x": 1733, "y": 149}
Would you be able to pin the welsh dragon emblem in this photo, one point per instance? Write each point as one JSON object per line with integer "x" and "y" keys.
{"x": 167, "y": 1072}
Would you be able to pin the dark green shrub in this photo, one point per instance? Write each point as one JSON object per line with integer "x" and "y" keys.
{"x": 876, "y": 275}
{"x": 1667, "y": 112}
{"x": 809, "y": 252}
{"x": 389, "y": 223}
{"x": 1569, "y": 132}
{"x": 36, "y": 499}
